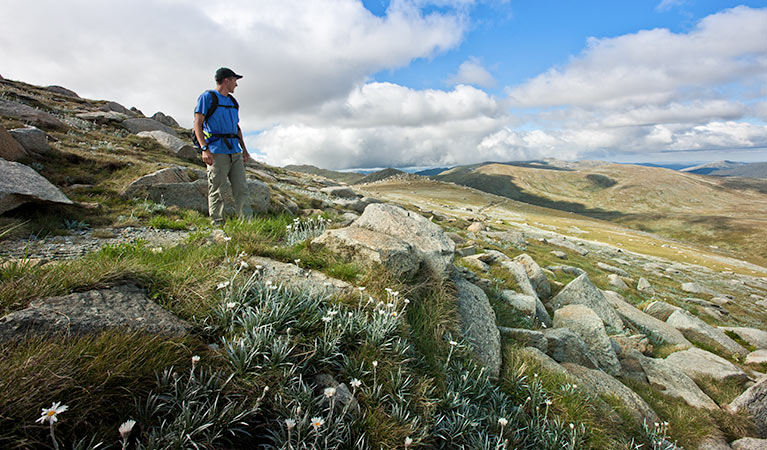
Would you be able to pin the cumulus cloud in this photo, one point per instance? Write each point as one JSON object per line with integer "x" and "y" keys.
{"x": 161, "y": 54}
{"x": 472, "y": 72}
{"x": 655, "y": 90}
{"x": 383, "y": 124}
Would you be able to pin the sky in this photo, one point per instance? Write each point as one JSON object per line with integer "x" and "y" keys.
{"x": 345, "y": 84}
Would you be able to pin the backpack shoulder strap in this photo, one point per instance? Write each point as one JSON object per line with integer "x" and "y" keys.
{"x": 213, "y": 106}
{"x": 236, "y": 105}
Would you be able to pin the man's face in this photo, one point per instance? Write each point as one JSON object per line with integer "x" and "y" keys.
{"x": 231, "y": 83}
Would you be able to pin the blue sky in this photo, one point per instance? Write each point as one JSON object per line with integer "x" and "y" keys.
{"x": 349, "y": 83}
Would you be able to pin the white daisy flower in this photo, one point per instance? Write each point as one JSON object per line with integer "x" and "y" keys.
{"x": 51, "y": 414}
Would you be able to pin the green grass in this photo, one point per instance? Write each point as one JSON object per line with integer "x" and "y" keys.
{"x": 98, "y": 377}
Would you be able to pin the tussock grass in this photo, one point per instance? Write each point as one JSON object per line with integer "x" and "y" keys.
{"x": 97, "y": 376}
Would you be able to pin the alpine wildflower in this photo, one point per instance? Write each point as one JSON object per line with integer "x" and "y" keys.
{"x": 223, "y": 285}
{"x": 330, "y": 391}
{"x": 355, "y": 383}
{"x": 51, "y": 414}
{"x": 317, "y": 422}
{"x": 408, "y": 441}
{"x": 290, "y": 423}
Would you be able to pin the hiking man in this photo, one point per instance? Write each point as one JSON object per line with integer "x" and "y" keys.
{"x": 217, "y": 129}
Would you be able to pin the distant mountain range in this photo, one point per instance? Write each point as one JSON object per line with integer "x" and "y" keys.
{"x": 730, "y": 169}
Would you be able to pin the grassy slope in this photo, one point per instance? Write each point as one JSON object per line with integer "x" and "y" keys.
{"x": 705, "y": 210}
{"x": 184, "y": 279}
{"x": 344, "y": 177}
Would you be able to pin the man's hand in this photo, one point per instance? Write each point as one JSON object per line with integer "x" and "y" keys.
{"x": 245, "y": 156}
{"x": 207, "y": 158}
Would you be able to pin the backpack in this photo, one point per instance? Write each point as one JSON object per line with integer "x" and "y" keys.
{"x": 208, "y": 115}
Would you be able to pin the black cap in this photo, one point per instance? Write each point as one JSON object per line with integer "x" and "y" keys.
{"x": 225, "y": 72}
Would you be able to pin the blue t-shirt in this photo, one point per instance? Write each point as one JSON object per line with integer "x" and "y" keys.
{"x": 223, "y": 121}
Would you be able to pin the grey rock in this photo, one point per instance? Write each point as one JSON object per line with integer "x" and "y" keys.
{"x": 576, "y": 271}
{"x": 558, "y": 254}
{"x": 657, "y": 330}
{"x": 714, "y": 443}
{"x": 342, "y": 398}
{"x": 674, "y": 382}
{"x": 536, "y": 275}
{"x": 599, "y": 382}
{"x": 138, "y": 125}
{"x": 566, "y": 346}
{"x": 528, "y": 338}
{"x": 616, "y": 281}
{"x": 476, "y": 262}
{"x": 347, "y": 218}
{"x": 466, "y": 251}
{"x": 584, "y": 322}
{"x": 33, "y": 139}
{"x": 528, "y": 305}
{"x": 340, "y": 191}
{"x": 661, "y": 310}
{"x": 698, "y": 363}
{"x": 507, "y": 237}
{"x": 455, "y": 237}
{"x": 476, "y": 227}
{"x": 749, "y": 443}
{"x": 613, "y": 269}
{"x": 697, "y": 330}
{"x": 116, "y": 107}
{"x": 21, "y": 184}
{"x": 31, "y": 116}
{"x": 427, "y": 238}
{"x": 369, "y": 247}
{"x": 545, "y": 361}
{"x": 582, "y": 292}
{"x": 478, "y": 325}
{"x": 755, "y": 337}
{"x": 518, "y": 271}
{"x": 165, "y": 120}
{"x": 295, "y": 278}
{"x": 168, "y": 175}
{"x": 492, "y": 257}
{"x": 10, "y": 148}
{"x": 645, "y": 287}
{"x": 754, "y": 402}
{"x": 124, "y": 307}
{"x": 695, "y": 288}
{"x": 62, "y": 91}
{"x": 178, "y": 147}
{"x": 103, "y": 117}
{"x": 757, "y": 357}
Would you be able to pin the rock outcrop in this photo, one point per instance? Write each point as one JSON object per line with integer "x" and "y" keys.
{"x": 140, "y": 124}
{"x": 657, "y": 330}
{"x": 478, "y": 325}
{"x": 698, "y": 363}
{"x": 178, "y": 147}
{"x": 755, "y": 337}
{"x": 367, "y": 247}
{"x": 698, "y": 330}
{"x": 32, "y": 116}
{"x": 601, "y": 383}
{"x": 588, "y": 326}
{"x": 582, "y": 292}
{"x": 21, "y": 184}
{"x": 10, "y": 148}
{"x": 673, "y": 382}
{"x": 33, "y": 139}
{"x": 528, "y": 305}
{"x": 125, "y": 307}
{"x": 427, "y": 238}
{"x": 754, "y": 402}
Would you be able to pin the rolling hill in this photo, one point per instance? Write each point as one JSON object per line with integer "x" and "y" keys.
{"x": 727, "y": 213}
{"x": 343, "y": 177}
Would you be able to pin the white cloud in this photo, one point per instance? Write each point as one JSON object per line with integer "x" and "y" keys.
{"x": 472, "y": 72}
{"x": 666, "y": 5}
{"x": 656, "y": 66}
{"x": 162, "y": 54}
{"x": 656, "y": 90}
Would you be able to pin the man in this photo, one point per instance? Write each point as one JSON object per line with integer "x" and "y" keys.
{"x": 223, "y": 148}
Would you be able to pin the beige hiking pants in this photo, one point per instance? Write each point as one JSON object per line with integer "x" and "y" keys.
{"x": 231, "y": 168}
